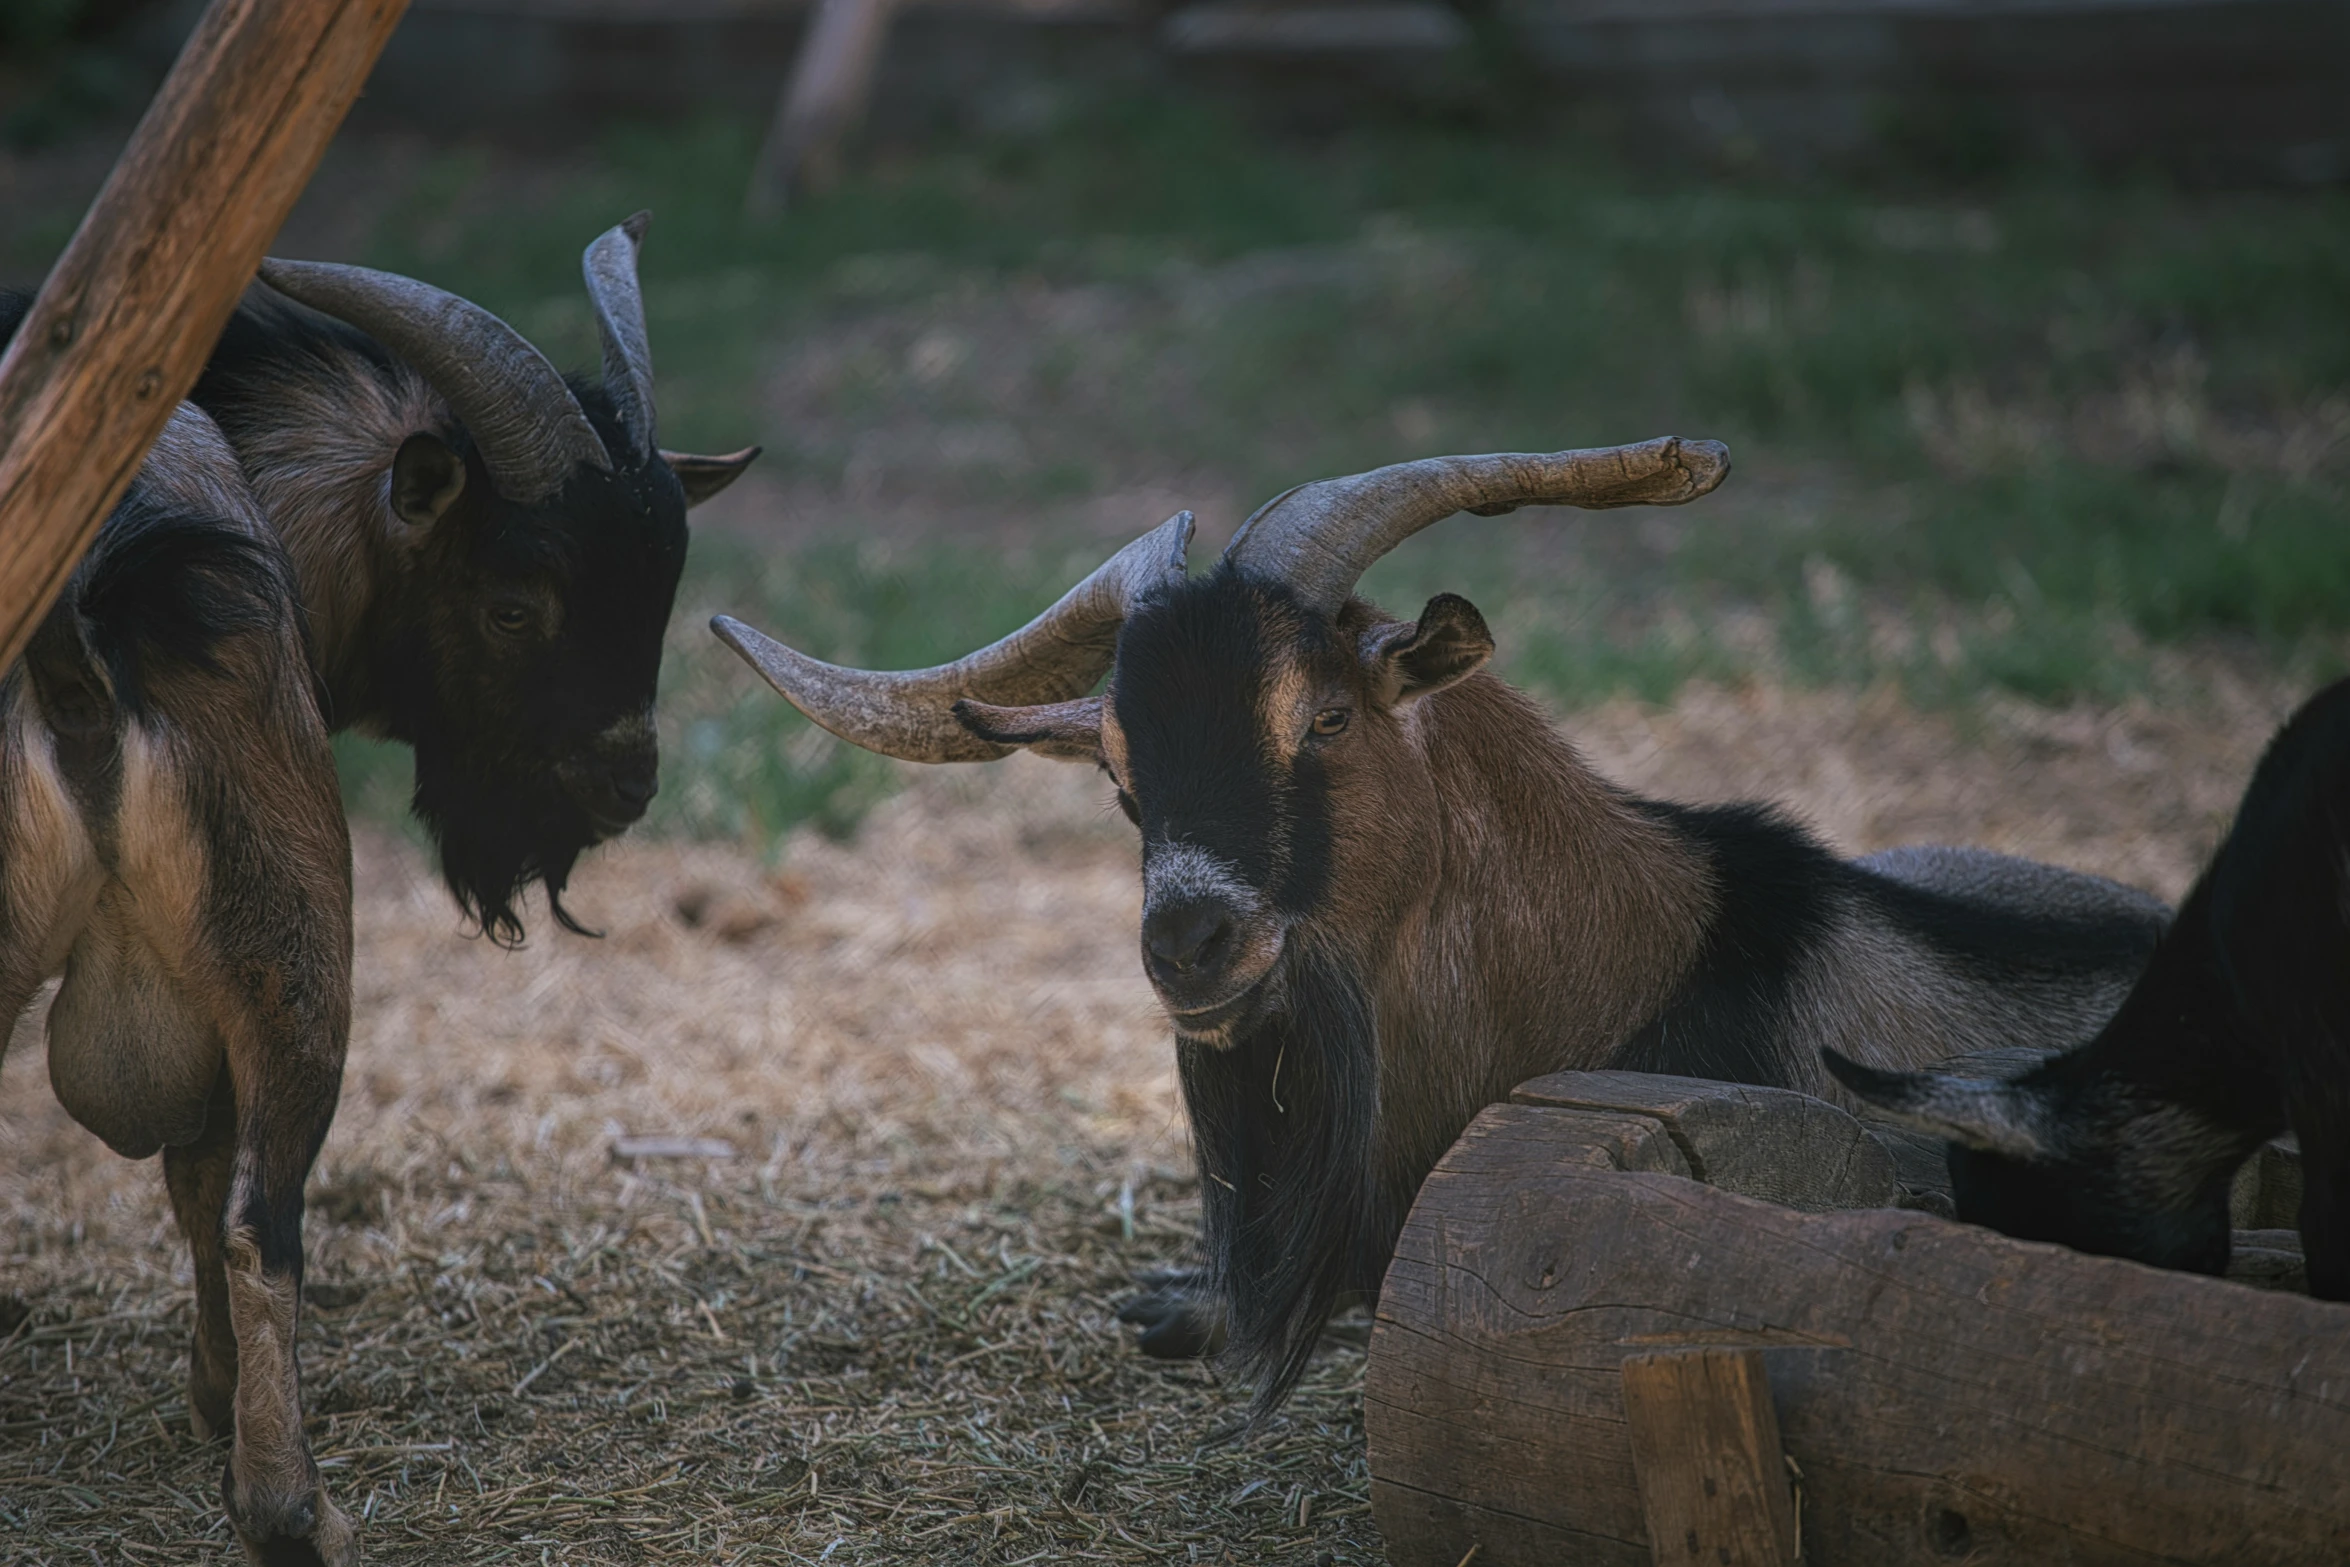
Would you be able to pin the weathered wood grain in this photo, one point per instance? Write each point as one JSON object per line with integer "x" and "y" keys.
{"x": 1705, "y": 1446}
{"x": 128, "y": 315}
{"x": 1949, "y": 1394}
{"x": 1771, "y": 1143}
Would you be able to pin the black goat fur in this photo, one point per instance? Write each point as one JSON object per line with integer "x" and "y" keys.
{"x": 2239, "y": 1028}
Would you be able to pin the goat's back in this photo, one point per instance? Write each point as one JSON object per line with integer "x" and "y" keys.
{"x": 1899, "y": 959}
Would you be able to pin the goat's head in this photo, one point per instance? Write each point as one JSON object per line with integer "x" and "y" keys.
{"x": 1261, "y": 724}
{"x": 538, "y": 546}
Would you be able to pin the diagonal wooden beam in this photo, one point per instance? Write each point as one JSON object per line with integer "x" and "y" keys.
{"x": 128, "y": 315}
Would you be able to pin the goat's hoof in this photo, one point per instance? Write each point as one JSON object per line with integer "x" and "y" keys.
{"x": 300, "y": 1530}
{"x": 1178, "y": 1321}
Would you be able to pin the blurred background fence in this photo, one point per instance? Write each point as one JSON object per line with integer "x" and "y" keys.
{"x": 2217, "y": 89}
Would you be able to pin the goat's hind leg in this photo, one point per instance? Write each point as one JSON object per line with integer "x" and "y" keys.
{"x": 285, "y": 1096}
{"x": 197, "y": 1176}
{"x": 269, "y": 967}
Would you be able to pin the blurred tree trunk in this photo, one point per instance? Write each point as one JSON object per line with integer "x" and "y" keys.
{"x": 821, "y": 104}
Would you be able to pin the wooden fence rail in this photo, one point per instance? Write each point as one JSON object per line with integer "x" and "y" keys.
{"x": 123, "y": 325}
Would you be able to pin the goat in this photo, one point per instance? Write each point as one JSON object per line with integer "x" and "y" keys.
{"x": 172, "y": 841}
{"x": 1380, "y": 889}
{"x": 390, "y": 513}
{"x": 2239, "y": 1026}
{"x": 488, "y": 554}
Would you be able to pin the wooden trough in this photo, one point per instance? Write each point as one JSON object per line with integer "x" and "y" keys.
{"x": 1638, "y": 1319}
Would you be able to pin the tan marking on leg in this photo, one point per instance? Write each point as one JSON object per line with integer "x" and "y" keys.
{"x": 274, "y": 1487}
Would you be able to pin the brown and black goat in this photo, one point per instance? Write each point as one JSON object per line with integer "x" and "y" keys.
{"x": 1380, "y": 889}
{"x": 389, "y": 512}
{"x": 488, "y": 553}
{"x": 172, "y": 844}
{"x": 2239, "y": 1028}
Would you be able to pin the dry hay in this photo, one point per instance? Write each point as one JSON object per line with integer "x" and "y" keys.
{"x": 881, "y": 1331}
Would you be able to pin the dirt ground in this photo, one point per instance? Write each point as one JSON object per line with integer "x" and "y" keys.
{"x": 873, "y": 1322}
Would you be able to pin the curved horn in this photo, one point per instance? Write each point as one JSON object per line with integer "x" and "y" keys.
{"x": 531, "y": 431}
{"x": 910, "y": 714}
{"x": 610, "y": 265}
{"x": 1320, "y": 538}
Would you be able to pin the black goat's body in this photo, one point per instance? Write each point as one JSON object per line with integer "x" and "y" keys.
{"x": 2238, "y": 1028}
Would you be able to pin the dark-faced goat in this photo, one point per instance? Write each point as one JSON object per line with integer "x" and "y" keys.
{"x": 484, "y": 558}
{"x": 1380, "y": 889}
{"x": 488, "y": 553}
{"x": 2239, "y": 1028}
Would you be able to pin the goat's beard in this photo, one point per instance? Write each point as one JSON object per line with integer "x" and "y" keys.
{"x": 496, "y": 839}
{"x": 1282, "y": 1123}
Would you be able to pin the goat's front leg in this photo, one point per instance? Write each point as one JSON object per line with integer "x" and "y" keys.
{"x": 197, "y": 1176}
{"x": 2322, "y": 1121}
{"x": 1180, "y": 1316}
{"x": 271, "y": 1487}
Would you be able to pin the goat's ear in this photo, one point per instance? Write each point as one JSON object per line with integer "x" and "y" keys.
{"x": 1994, "y": 1117}
{"x": 1064, "y": 731}
{"x": 1447, "y": 644}
{"x": 427, "y": 478}
{"x": 704, "y": 477}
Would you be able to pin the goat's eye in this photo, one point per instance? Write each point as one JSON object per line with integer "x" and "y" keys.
{"x": 1330, "y": 720}
{"x": 513, "y": 619}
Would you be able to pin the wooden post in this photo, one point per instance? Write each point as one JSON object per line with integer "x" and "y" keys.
{"x": 129, "y": 314}
{"x": 1705, "y": 1446}
{"x": 822, "y": 102}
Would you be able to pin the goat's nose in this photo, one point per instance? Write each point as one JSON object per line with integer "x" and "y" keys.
{"x": 634, "y": 784}
{"x": 1187, "y": 935}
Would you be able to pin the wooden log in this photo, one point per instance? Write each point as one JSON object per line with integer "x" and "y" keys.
{"x": 1705, "y": 1447}
{"x": 1771, "y": 1143}
{"x": 129, "y": 313}
{"x": 1948, "y": 1393}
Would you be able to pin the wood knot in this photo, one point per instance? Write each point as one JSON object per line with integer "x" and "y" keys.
{"x": 149, "y": 384}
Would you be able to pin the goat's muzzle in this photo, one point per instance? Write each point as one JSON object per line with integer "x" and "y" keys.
{"x": 1208, "y": 943}
{"x": 614, "y": 778}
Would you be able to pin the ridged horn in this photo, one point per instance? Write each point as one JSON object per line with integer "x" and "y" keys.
{"x": 909, "y": 714}
{"x": 1320, "y": 538}
{"x": 530, "y": 430}
{"x": 610, "y": 266}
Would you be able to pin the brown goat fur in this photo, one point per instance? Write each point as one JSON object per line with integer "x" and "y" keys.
{"x": 320, "y": 541}
{"x": 1379, "y": 890}
{"x": 172, "y": 843}
{"x": 1348, "y": 819}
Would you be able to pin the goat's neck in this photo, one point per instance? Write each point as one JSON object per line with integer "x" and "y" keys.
{"x": 1561, "y": 919}
{"x": 325, "y": 484}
